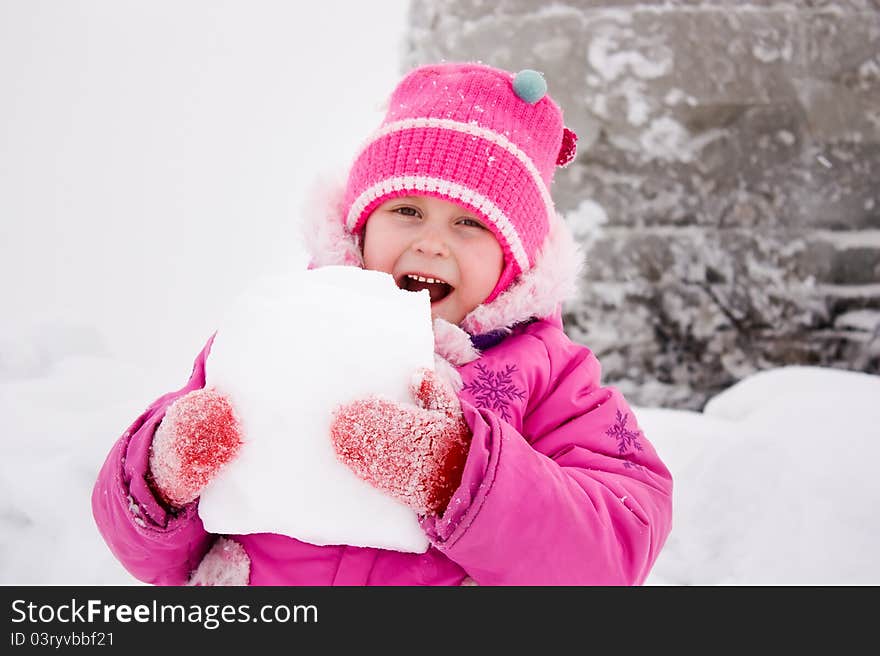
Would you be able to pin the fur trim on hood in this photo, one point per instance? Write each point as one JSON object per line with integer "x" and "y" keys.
{"x": 325, "y": 236}
{"x": 536, "y": 294}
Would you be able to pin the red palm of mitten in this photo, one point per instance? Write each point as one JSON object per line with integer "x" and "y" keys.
{"x": 415, "y": 453}
{"x": 199, "y": 434}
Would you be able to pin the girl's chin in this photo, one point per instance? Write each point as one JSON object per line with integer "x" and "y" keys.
{"x": 440, "y": 310}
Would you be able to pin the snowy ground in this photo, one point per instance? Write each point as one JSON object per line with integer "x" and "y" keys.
{"x": 775, "y": 483}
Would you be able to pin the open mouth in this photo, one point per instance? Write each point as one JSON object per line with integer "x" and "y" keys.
{"x": 438, "y": 289}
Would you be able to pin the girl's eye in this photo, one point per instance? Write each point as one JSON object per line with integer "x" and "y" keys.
{"x": 406, "y": 211}
{"x": 472, "y": 222}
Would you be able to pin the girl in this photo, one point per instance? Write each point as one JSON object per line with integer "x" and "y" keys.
{"x": 522, "y": 467}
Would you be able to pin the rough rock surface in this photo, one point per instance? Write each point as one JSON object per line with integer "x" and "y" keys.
{"x": 727, "y": 182}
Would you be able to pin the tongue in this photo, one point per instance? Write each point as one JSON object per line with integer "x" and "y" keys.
{"x": 437, "y": 290}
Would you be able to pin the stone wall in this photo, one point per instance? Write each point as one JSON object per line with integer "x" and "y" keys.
{"x": 727, "y": 183}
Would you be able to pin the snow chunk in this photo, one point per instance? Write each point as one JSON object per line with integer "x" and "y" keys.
{"x": 286, "y": 354}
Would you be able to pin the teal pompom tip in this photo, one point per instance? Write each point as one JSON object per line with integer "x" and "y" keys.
{"x": 529, "y": 85}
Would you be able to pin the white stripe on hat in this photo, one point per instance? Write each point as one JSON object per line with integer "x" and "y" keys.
{"x": 451, "y": 190}
{"x": 475, "y": 130}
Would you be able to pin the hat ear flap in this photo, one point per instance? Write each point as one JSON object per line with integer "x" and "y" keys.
{"x": 568, "y": 149}
{"x": 539, "y": 291}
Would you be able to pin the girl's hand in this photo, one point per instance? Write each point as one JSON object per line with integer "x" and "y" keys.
{"x": 415, "y": 453}
{"x": 198, "y": 436}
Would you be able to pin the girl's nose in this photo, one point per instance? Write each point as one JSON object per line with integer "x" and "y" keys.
{"x": 431, "y": 244}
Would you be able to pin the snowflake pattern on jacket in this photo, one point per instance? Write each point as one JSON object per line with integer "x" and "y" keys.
{"x": 495, "y": 390}
{"x": 626, "y": 439}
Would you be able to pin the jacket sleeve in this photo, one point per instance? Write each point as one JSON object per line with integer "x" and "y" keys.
{"x": 156, "y": 545}
{"x": 579, "y": 497}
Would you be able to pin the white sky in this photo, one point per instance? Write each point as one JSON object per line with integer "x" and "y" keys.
{"x": 153, "y": 155}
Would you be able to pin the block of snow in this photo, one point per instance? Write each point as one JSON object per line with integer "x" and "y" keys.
{"x": 286, "y": 353}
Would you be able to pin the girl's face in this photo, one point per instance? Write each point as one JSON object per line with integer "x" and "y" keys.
{"x": 430, "y": 243}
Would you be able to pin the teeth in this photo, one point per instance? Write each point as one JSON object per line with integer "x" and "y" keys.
{"x": 424, "y": 279}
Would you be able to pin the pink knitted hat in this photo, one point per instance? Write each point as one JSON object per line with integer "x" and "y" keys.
{"x": 474, "y": 135}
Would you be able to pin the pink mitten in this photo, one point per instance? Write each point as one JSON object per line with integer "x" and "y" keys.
{"x": 416, "y": 453}
{"x": 199, "y": 434}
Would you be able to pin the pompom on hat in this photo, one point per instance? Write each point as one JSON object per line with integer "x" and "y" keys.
{"x": 474, "y": 135}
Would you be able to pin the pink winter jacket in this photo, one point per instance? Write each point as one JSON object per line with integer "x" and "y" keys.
{"x": 560, "y": 488}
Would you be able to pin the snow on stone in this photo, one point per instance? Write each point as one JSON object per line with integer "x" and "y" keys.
{"x": 844, "y": 239}
{"x": 767, "y": 53}
{"x": 785, "y": 137}
{"x": 676, "y": 96}
{"x": 611, "y": 63}
{"x": 667, "y": 139}
{"x": 866, "y": 320}
{"x": 286, "y": 354}
{"x": 586, "y": 220}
